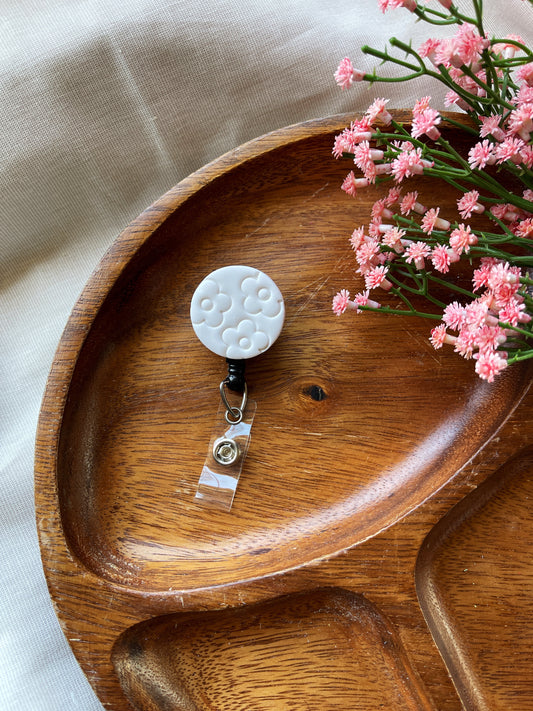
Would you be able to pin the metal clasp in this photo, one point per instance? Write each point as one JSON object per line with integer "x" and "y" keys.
{"x": 233, "y": 414}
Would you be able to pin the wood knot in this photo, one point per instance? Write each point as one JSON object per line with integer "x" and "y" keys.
{"x": 315, "y": 392}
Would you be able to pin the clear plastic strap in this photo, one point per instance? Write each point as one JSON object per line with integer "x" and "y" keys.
{"x": 225, "y": 457}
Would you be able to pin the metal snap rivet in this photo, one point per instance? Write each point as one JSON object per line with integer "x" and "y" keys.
{"x": 226, "y": 451}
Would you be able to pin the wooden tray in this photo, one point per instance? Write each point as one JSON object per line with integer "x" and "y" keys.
{"x": 364, "y": 439}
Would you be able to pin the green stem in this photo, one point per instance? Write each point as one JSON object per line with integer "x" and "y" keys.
{"x": 519, "y": 357}
{"x": 401, "y": 312}
{"x": 386, "y": 57}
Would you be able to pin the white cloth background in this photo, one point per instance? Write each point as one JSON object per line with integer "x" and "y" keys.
{"x": 104, "y": 105}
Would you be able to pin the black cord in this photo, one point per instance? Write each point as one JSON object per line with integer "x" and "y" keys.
{"x": 235, "y": 379}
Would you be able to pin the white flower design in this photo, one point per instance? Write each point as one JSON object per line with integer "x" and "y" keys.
{"x": 209, "y": 304}
{"x": 259, "y": 297}
{"x": 243, "y": 339}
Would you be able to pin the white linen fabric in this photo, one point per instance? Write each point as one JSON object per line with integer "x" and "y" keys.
{"x": 104, "y": 106}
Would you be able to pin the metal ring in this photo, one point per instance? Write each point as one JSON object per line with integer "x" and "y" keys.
{"x": 233, "y": 414}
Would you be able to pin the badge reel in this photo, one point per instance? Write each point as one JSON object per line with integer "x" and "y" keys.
{"x": 237, "y": 312}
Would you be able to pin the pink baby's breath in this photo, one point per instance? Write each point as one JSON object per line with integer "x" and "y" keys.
{"x": 426, "y": 122}
{"x": 454, "y": 315}
{"x": 439, "y": 336}
{"x": 462, "y": 238}
{"x": 409, "y": 249}
{"x": 357, "y": 238}
{"x": 466, "y": 342}
{"x": 524, "y": 228}
{"x": 340, "y": 302}
{"x": 352, "y": 184}
{"x": 509, "y": 149}
{"x": 525, "y": 73}
{"x": 467, "y": 45}
{"x": 514, "y": 312}
{"x": 490, "y": 126}
{"x": 377, "y": 110}
{"x": 481, "y": 154}
{"x": 417, "y": 252}
{"x": 393, "y": 239}
{"x": 346, "y": 74}
{"x": 489, "y": 338}
{"x": 408, "y": 163}
{"x": 377, "y": 278}
{"x": 442, "y": 257}
{"x": 361, "y": 299}
{"x": 385, "y": 5}
{"x": 489, "y": 364}
{"x": 469, "y": 204}
{"x": 432, "y": 221}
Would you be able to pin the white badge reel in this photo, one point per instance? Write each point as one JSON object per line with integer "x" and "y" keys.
{"x": 237, "y": 312}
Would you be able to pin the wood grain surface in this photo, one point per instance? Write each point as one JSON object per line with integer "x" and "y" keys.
{"x": 364, "y": 438}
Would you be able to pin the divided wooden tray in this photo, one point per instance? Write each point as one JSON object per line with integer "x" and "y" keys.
{"x": 378, "y": 552}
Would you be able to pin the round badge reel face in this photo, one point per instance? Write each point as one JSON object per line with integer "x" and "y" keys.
{"x": 237, "y": 312}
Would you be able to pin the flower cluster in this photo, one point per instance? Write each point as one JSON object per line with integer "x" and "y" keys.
{"x": 409, "y": 249}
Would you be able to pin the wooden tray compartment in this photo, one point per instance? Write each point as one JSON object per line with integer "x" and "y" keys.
{"x": 364, "y": 435}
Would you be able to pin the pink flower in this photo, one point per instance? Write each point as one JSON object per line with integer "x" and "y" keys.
{"x": 346, "y": 74}
{"x": 490, "y": 126}
{"x": 393, "y": 239}
{"x": 461, "y": 239}
{"x": 351, "y": 184}
{"x": 507, "y": 49}
{"x": 380, "y": 210}
{"x": 426, "y": 122}
{"x": 481, "y": 154}
{"x": 525, "y": 95}
{"x": 346, "y": 141}
{"x": 454, "y": 316}
{"x": 452, "y": 98}
{"x": 469, "y": 204}
{"x": 477, "y": 314}
{"x": 341, "y": 302}
{"x": 417, "y": 252}
{"x": 513, "y": 313}
{"x": 377, "y": 277}
{"x": 341, "y": 146}
{"x": 357, "y": 238}
{"x": 467, "y": 45}
{"x": 509, "y": 149}
{"x": 408, "y": 163}
{"x": 527, "y": 156}
{"x": 421, "y": 105}
{"x": 429, "y": 48}
{"x": 525, "y": 73}
{"x": 432, "y": 221}
{"x": 385, "y": 5}
{"x": 524, "y": 228}
{"x": 501, "y": 274}
{"x": 393, "y": 196}
{"x": 489, "y": 338}
{"x": 505, "y": 212}
{"x": 481, "y": 275}
{"x": 377, "y": 110}
{"x": 439, "y": 336}
{"x": 362, "y": 299}
{"x": 489, "y": 364}
{"x": 466, "y": 342}
{"x": 409, "y": 203}
{"x": 366, "y": 254}
{"x": 364, "y": 154}
{"x": 521, "y": 121}
{"x": 442, "y": 257}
